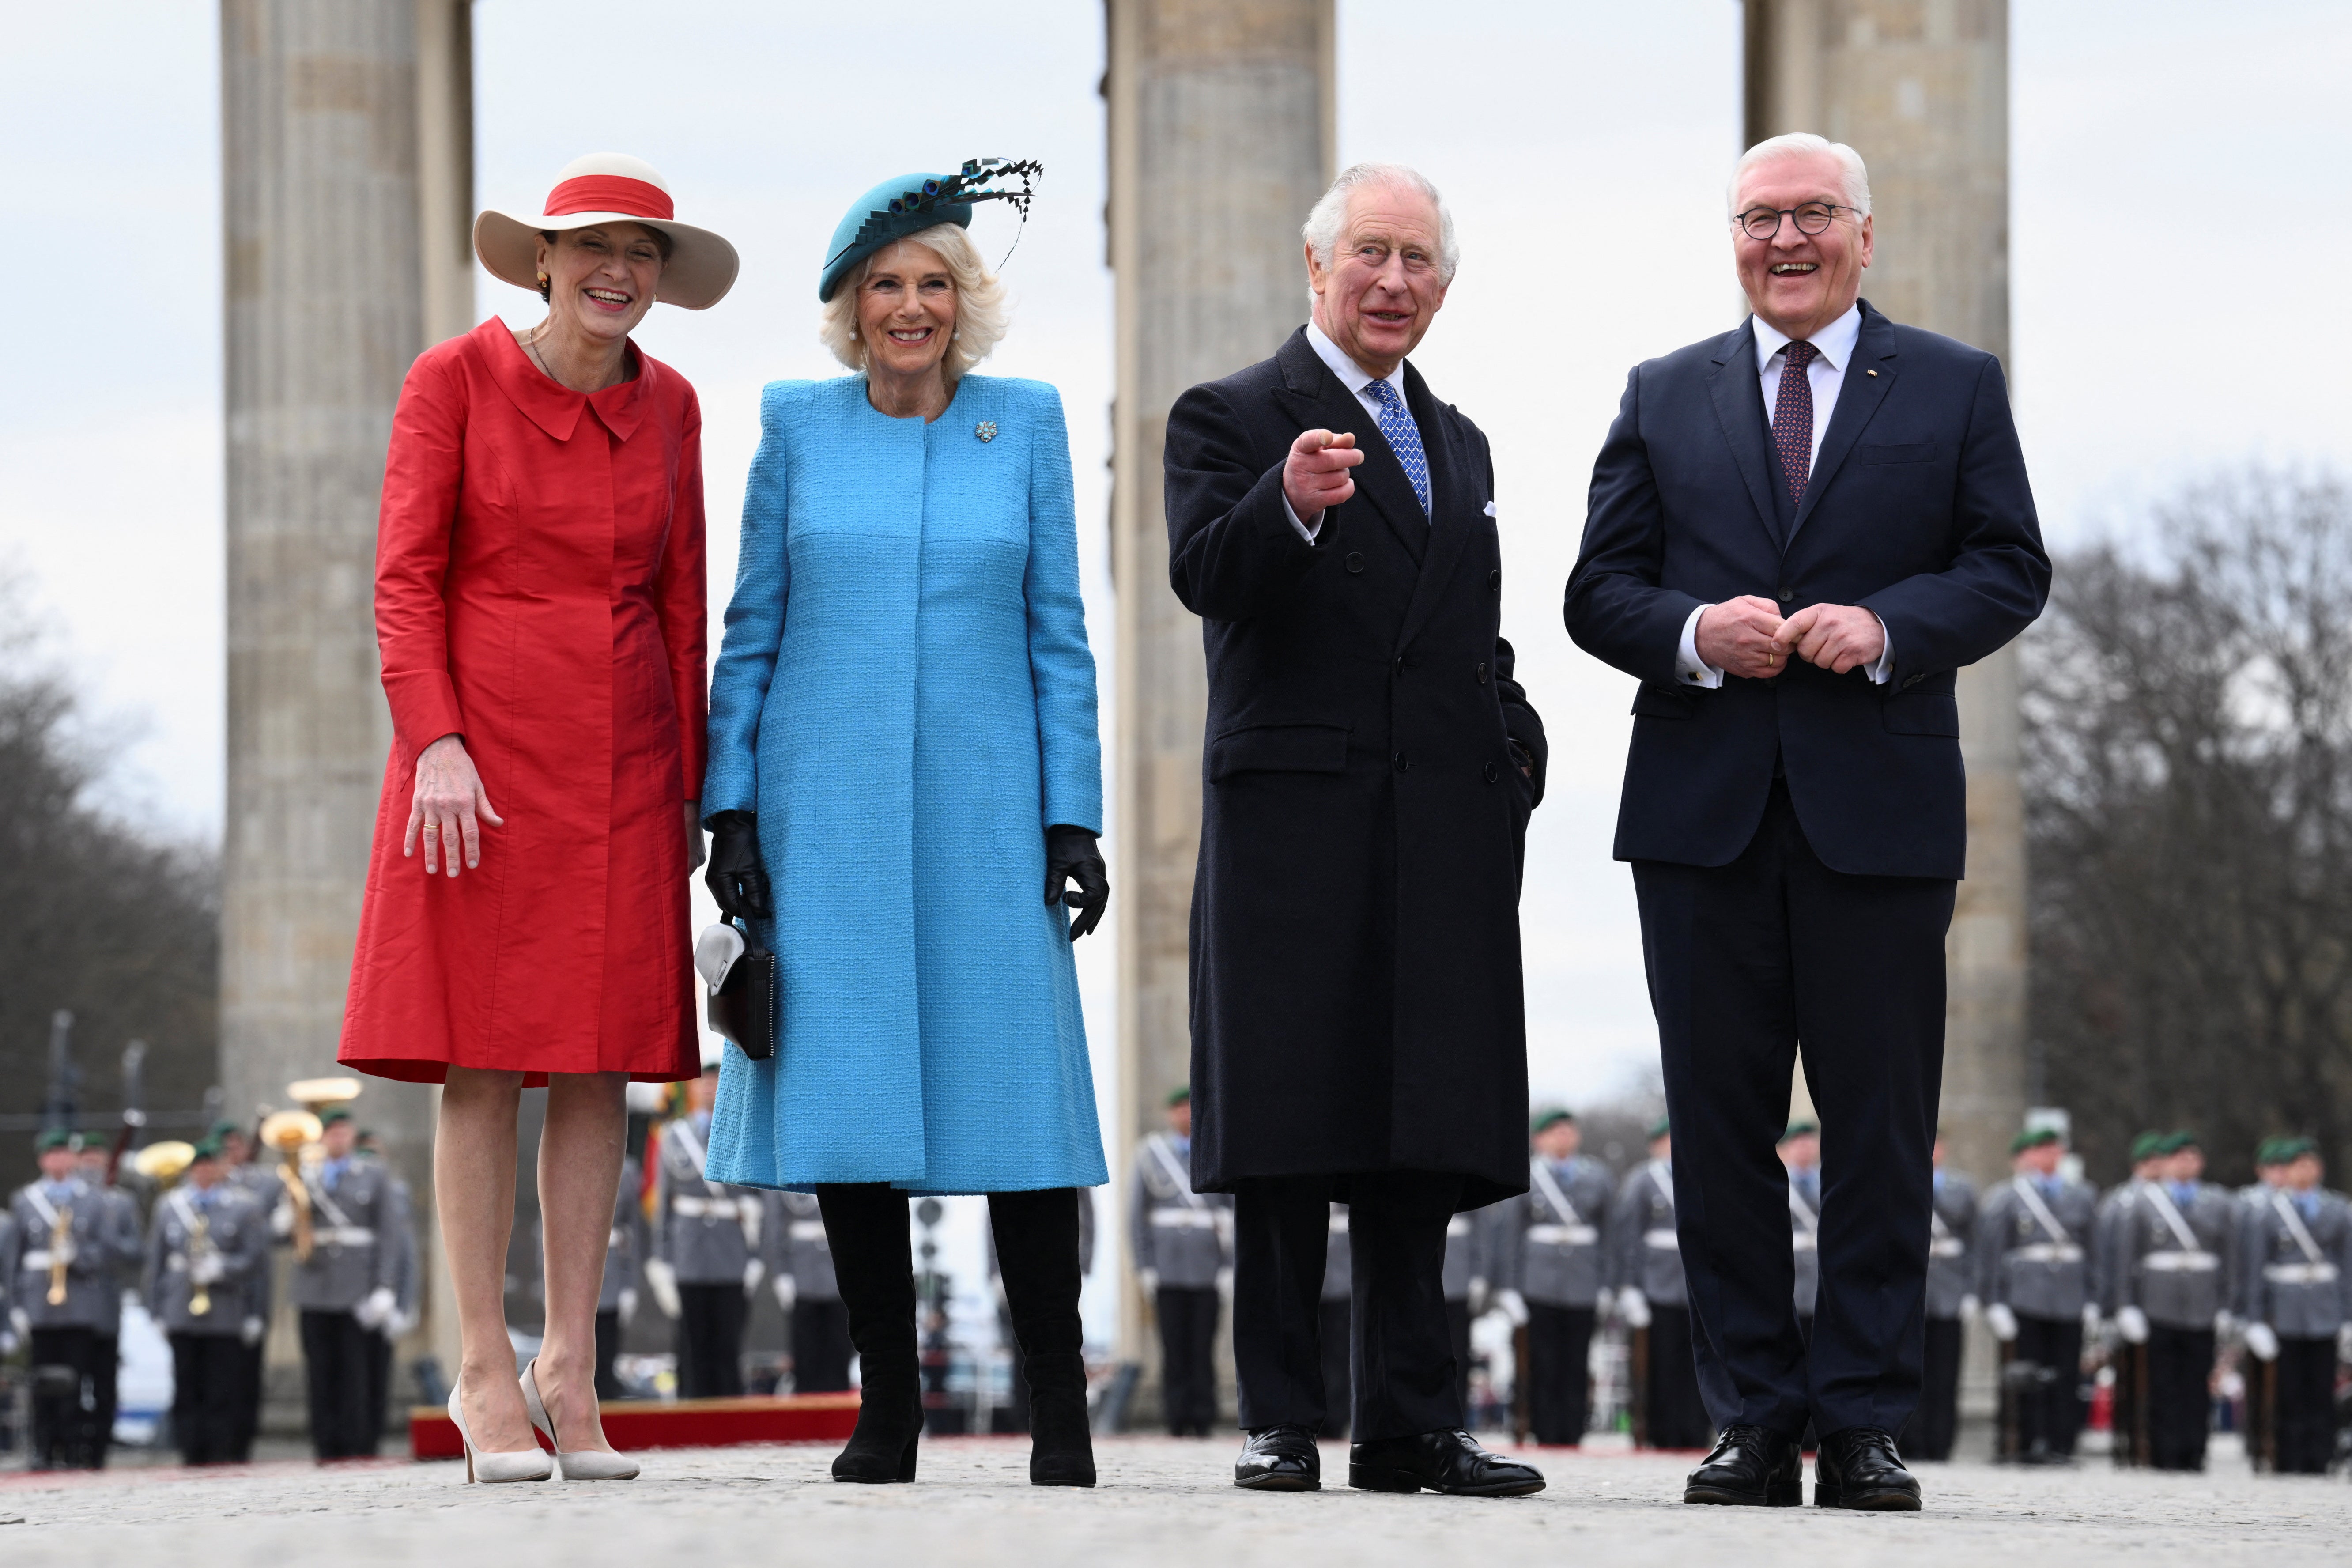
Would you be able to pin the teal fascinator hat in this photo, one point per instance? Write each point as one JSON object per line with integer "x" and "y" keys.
{"x": 911, "y": 204}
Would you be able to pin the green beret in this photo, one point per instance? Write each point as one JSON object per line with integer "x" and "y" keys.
{"x": 1658, "y": 1128}
{"x": 223, "y": 1128}
{"x": 2146, "y": 1146}
{"x": 2033, "y": 1137}
{"x": 2174, "y": 1142}
{"x": 333, "y": 1114}
{"x": 1550, "y": 1116}
{"x": 210, "y": 1149}
{"x": 1801, "y": 1128}
{"x": 55, "y": 1138}
{"x": 1180, "y": 1095}
{"x": 2286, "y": 1151}
{"x": 2266, "y": 1151}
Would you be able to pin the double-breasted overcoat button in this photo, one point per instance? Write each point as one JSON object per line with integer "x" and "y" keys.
{"x": 1400, "y": 763}
{"x": 1787, "y": 593}
{"x": 1400, "y": 664}
{"x": 1355, "y": 560}
{"x": 1495, "y": 581}
{"x": 1482, "y": 672}
{"x": 1492, "y": 773}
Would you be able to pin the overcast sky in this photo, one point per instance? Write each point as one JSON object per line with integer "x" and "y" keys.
{"x": 2179, "y": 236}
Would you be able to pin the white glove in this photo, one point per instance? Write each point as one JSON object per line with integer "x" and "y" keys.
{"x": 2090, "y": 1319}
{"x": 2133, "y": 1324}
{"x": 753, "y": 1272}
{"x": 20, "y": 1320}
{"x": 8, "y": 1342}
{"x": 1478, "y": 1298}
{"x": 1512, "y": 1305}
{"x": 1602, "y": 1299}
{"x": 251, "y": 1331}
{"x": 400, "y": 1325}
{"x": 2263, "y": 1339}
{"x": 281, "y": 1220}
{"x": 1148, "y": 1282}
{"x": 374, "y": 1307}
{"x": 2225, "y": 1323}
{"x": 2002, "y": 1321}
{"x": 663, "y": 1278}
{"x": 2344, "y": 1343}
{"x": 208, "y": 1268}
{"x": 628, "y": 1303}
{"x": 1226, "y": 1284}
{"x": 788, "y": 1291}
{"x": 1634, "y": 1307}
{"x": 1970, "y": 1307}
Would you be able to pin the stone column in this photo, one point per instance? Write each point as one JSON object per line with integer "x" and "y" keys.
{"x": 324, "y": 198}
{"x": 1223, "y": 132}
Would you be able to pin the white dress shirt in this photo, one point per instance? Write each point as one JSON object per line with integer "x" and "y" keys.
{"x": 1356, "y": 380}
{"x": 1833, "y": 346}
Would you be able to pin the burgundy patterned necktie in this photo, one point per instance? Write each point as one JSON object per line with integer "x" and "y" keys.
{"x": 1792, "y": 418}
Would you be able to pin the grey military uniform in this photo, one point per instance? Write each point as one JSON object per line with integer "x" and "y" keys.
{"x": 624, "y": 1248}
{"x": 706, "y": 1231}
{"x": 1805, "y": 1236}
{"x": 1645, "y": 1253}
{"x": 1465, "y": 1254}
{"x": 2179, "y": 1260}
{"x": 2034, "y": 1248}
{"x": 2108, "y": 1265}
{"x": 1952, "y": 1245}
{"x": 799, "y": 1250}
{"x": 407, "y": 1265}
{"x": 2297, "y": 1269}
{"x": 1183, "y": 1236}
{"x": 1550, "y": 1239}
{"x": 233, "y": 1234}
{"x": 354, "y": 1249}
{"x": 260, "y": 1182}
{"x": 104, "y": 1243}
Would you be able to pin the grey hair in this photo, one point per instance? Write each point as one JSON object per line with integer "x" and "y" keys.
{"x": 1857, "y": 178}
{"x": 1323, "y": 225}
{"x": 982, "y": 314}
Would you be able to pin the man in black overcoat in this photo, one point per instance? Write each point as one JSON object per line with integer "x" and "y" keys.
{"x": 1369, "y": 769}
{"x": 1798, "y": 532}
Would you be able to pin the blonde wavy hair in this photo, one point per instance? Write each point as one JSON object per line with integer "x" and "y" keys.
{"x": 982, "y": 316}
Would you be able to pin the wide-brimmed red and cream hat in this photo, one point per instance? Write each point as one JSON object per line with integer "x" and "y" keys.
{"x": 611, "y": 187}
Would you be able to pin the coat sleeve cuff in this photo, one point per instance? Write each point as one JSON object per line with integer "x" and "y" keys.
{"x": 424, "y": 707}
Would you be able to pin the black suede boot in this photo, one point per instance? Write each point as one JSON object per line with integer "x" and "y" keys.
{"x": 1037, "y": 1253}
{"x": 865, "y": 1227}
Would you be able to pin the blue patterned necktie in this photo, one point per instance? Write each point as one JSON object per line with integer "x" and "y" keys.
{"x": 1792, "y": 418}
{"x": 1403, "y": 439}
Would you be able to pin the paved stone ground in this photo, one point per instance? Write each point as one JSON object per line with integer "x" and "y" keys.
{"x": 1161, "y": 1502}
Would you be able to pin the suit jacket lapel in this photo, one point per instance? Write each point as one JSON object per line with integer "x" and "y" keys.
{"x": 1859, "y": 396}
{"x": 1317, "y": 399}
{"x": 1450, "y": 492}
{"x": 1740, "y": 409}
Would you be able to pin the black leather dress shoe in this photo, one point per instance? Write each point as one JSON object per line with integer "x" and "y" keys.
{"x": 1279, "y": 1459}
{"x": 1451, "y": 1462}
{"x": 1752, "y": 1467}
{"x": 1858, "y": 1467}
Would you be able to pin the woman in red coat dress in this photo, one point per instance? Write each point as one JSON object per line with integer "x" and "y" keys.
{"x": 540, "y": 605}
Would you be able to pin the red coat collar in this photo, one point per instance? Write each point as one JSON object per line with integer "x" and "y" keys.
{"x": 554, "y": 408}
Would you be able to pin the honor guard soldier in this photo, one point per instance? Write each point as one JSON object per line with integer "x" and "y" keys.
{"x": 705, "y": 1262}
{"x": 1466, "y": 1282}
{"x": 1184, "y": 1259}
{"x": 2296, "y": 1294}
{"x": 2258, "y": 1421}
{"x": 344, "y": 1283}
{"x": 1550, "y": 1273}
{"x": 1336, "y": 1314}
{"x": 260, "y": 1179}
{"x": 1951, "y": 1298}
{"x": 2035, "y": 1278}
{"x": 1646, "y": 1279}
{"x": 399, "y": 1235}
{"x": 1801, "y": 1156}
{"x": 95, "y": 1162}
{"x": 2179, "y": 1254}
{"x": 207, "y": 1243}
{"x": 809, "y": 1295}
{"x": 2128, "y": 1360}
{"x": 72, "y": 1250}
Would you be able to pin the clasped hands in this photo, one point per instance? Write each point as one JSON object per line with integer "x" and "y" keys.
{"x": 1747, "y": 636}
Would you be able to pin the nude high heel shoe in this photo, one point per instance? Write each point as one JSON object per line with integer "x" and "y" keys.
{"x": 522, "y": 1465}
{"x": 579, "y": 1463}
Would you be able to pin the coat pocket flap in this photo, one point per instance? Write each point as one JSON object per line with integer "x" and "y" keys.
{"x": 1923, "y": 713}
{"x": 1905, "y": 452}
{"x": 1279, "y": 748}
{"x": 1652, "y": 701}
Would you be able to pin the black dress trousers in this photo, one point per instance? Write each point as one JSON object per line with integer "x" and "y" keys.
{"x": 2179, "y": 1398}
{"x": 2050, "y": 1409}
{"x": 1404, "y": 1377}
{"x": 1929, "y": 1432}
{"x": 1745, "y": 960}
{"x": 337, "y": 1365}
{"x": 1188, "y": 1362}
{"x": 1335, "y": 1316}
{"x": 1560, "y": 1377}
{"x": 2304, "y": 1409}
{"x": 66, "y": 1434}
{"x": 208, "y": 1384}
{"x": 608, "y": 1351}
{"x": 1677, "y": 1416}
{"x": 710, "y": 1341}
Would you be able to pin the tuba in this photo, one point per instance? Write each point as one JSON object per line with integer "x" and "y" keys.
{"x": 289, "y": 1132}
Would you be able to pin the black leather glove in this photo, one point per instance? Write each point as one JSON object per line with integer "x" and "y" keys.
{"x": 735, "y": 876}
{"x": 1071, "y": 855}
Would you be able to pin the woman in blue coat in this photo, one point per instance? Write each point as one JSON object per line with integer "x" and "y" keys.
{"x": 903, "y": 758}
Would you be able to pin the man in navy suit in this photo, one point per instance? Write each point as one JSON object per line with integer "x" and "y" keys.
{"x": 1798, "y": 532}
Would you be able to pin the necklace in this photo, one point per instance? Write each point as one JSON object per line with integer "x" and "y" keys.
{"x": 531, "y": 347}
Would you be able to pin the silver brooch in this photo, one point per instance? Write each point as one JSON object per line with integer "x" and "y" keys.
{"x": 985, "y": 429}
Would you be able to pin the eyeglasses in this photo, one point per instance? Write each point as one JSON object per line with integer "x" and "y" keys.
{"x": 1814, "y": 217}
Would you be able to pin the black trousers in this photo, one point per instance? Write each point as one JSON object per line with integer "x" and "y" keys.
{"x": 2180, "y": 1401}
{"x": 105, "y": 1383}
{"x": 1188, "y": 1367}
{"x": 1745, "y": 960}
{"x": 608, "y": 1351}
{"x": 208, "y": 1384}
{"x": 1559, "y": 1374}
{"x": 710, "y": 1341}
{"x": 1405, "y": 1375}
{"x": 248, "y": 1393}
{"x": 1333, "y": 1317}
{"x": 379, "y": 1350}
{"x": 821, "y": 1346}
{"x": 1677, "y": 1415}
{"x": 1928, "y": 1434}
{"x": 1457, "y": 1332}
{"x": 337, "y": 1368}
{"x": 2306, "y": 1405}
{"x": 2050, "y": 1409}
{"x": 66, "y": 1434}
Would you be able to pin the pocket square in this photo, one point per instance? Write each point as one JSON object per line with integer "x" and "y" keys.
{"x": 1490, "y": 509}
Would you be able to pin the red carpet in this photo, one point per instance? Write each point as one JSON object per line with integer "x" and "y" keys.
{"x": 634, "y": 1425}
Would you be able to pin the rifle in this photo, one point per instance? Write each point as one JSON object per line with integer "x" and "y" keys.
{"x": 135, "y": 1114}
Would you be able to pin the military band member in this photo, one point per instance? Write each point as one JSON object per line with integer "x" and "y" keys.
{"x": 2035, "y": 1278}
{"x": 1646, "y": 1279}
{"x": 811, "y": 1296}
{"x": 2296, "y": 1294}
{"x": 2108, "y": 1267}
{"x": 399, "y": 1233}
{"x": 1182, "y": 1246}
{"x": 206, "y": 1242}
{"x": 94, "y": 1160}
{"x": 1336, "y": 1314}
{"x": 345, "y": 1289}
{"x": 1801, "y": 1156}
{"x": 1951, "y": 1298}
{"x": 618, "y": 1292}
{"x": 1550, "y": 1273}
{"x": 72, "y": 1251}
{"x": 260, "y": 1179}
{"x": 2178, "y": 1252}
{"x": 705, "y": 1262}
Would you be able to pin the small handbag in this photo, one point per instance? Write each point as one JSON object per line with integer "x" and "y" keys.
{"x": 743, "y": 979}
